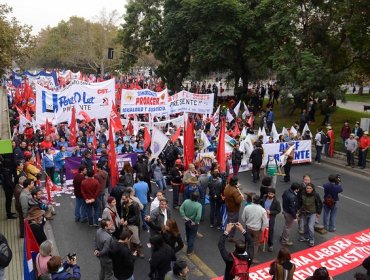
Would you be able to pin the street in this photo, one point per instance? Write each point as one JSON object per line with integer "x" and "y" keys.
{"x": 352, "y": 216}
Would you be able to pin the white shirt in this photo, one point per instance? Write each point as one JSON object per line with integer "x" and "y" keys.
{"x": 154, "y": 204}
{"x": 165, "y": 216}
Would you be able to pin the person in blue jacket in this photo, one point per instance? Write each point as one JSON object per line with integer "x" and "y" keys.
{"x": 59, "y": 271}
{"x": 48, "y": 163}
{"x": 60, "y": 161}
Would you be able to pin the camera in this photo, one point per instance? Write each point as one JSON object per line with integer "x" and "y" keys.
{"x": 338, "y": 179}
{"x": 72, "y": 256}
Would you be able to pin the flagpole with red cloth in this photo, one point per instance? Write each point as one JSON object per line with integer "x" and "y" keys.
{"x": 221, "y": 154}
{"x": 72, "y": 129}
{"x": 188, "y": 143}
{"x": 112, "y": 160}
{"x": 147, "y": 139}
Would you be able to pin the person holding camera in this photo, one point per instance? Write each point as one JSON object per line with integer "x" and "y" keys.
{"x": 59, "y": 270}
{"x": 332, "y": 189}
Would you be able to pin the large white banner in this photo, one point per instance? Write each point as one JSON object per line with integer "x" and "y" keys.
{"x": 144, "y": 101}
{"x": 302, "y": 153}
{"x": 179, "y": 121}
{"x": 189, "y": 102}
{"x": 94, "y": 99}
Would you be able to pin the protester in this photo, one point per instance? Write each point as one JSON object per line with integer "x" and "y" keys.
{"x": 90, "y": 190}
{"x": 202, "y": 184}
{"x": 282, "y": 268}
{"x": 162, "y": 256}
{"x": 290, "y": 209}
{"x": 256, "y": 160}
{"x": 158, "y": 168}
{"x": 60, "y": 162}
{"x": 35, "y": 219}
{"x": 243, "y": 252}
{"x": 272, "y": 169}
{"x": 176, "y": 176}
{"x": 43, "y": 257}
{"x": 254, "y": 218}
{"x": 320, "y": 274}
{"x": 191, "y": 212}
{"x": 158, "y": 217}
{"x": 80, "y": 207}
{"x": 122, "y": 258}
{"x": 110, "y": 213}
{"x": 289, "y": 154}
{"x": 351, "y": 147}
{"x": 48, "y": 163}
{"x": 26, "y": 196}
{"x": 18, "y": 207}
{"x": 233, "y": 200}
{"x": 179, "y": 271}
{"x": 102, "y": 176}
{"x": 310, "y": 207}
{"x": 59, "y": 270}
{"x": 103, "y": 241}
{"x": 273, "y": 208}
{"x": 216, "y": 189}
{"x": 236, "y": 159}
{"x": 155, "y": 203}
{"x": 141, "y": 190}
{"x": 332, "y": 189}
{"x": 364, "y": 144}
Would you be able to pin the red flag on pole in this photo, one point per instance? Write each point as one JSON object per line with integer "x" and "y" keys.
{"x": 130, "y": 127}
{"x": 236, "y": 130}
{"x": 112, "y": 160}
{"x": 115, "y": 118}
{"x": 250, "y": 120}
{"x": 221, "y": 155}
{"x": 176, "y": 135}
{"x": 73, "y": 129}
{"x": 189, "y": 143}
{"x": 147, "y": 139}
{"x": 48, "y": 126}
{"x": 85, "y": 116}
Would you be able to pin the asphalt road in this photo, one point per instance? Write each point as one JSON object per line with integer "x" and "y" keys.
{"x": 352, "y": 216}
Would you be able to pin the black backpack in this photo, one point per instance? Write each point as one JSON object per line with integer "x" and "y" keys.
{"x": 6, "y": 253}
{"x": 323, "y": 139}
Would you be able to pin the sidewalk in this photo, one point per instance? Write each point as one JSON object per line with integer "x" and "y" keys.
{"x": 353, "y": 106}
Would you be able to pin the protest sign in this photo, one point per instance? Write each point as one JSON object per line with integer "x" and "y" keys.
{"x": 338, "y": 255}
{"x": 144, "y": 101}
{"x": 94, "y": 99}
{"x": 189, "y": 102}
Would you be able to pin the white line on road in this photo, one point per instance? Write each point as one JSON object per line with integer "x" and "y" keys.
{"x": 350, "y": 198}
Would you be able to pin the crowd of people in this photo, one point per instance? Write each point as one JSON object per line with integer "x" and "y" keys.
{"x": 122, "y": 213}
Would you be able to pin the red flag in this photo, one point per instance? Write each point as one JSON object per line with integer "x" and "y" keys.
{"x": 28, "y": 116}
{"x": 176, "y": 135}
{"x": 189, "y": 143}
{"x": 112, "y": 160}
{"x": 85, "y": 116}
{"x": 236, "y": 130}
{"x": 250, "y": 120}
{"x": 130, "y": 127}
{"x": 115, "y": 118}
{"x": 38, "y": 161}
{"x": 19, "y": 110}
{"x": 30, "y": 97}
{"x": 147, "y": 139}
{"x": 221, "y": 155}
{"x": 73, "y": 129}
{"x": 48, "y": 126}
{"x": 17, "y": 97}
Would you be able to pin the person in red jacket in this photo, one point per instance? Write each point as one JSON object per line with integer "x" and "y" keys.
{"x": 46, "y": 144}
{"x": 364, "y": 144}
{"x": 28, "y": 131}
{"x": 90, "y": 189}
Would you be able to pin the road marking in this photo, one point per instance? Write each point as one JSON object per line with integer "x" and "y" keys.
{"x": 350, "y": 198}
{"x": 201, "y": 265}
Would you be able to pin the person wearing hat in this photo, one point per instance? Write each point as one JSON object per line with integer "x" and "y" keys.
{"x": 351, "y": 147}
{"x": 176, "y": 176}
{"x": 364, "y": 144}
{"x": 35, "y": 219}
{"x": 273, "y": 208}
{"x": 329, "y": 146}
{"x": 191, "y": 187}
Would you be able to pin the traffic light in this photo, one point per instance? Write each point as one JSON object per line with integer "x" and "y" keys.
{"x": 110, "y": 53}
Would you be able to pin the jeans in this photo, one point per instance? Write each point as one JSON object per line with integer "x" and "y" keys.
{"x": 270, "y": 241}
{"x": 191, "y": 233}
{"x": 106, "y": 270}
{"x": 143, "y": 214}
{"x": 93, "y": 212}
{"x": 80, "y": 210}
{"x": 61, "y": 173}
{"x": 331, "y": 214}
{"x": 327, "y": 148}
{"x": 350, "y": 158}
{"x": 161, "y": 184}
{"x": 256, "y": 172}
{"x": 202, "y": 201}
{"x": 318, "y": 153}
{"x": 289, "y": 219}
{"x": 287, "y": 168}
{"x": 2, "y": 273}
{"x": 101, "y": 203}
{"x": 309, "y": 226}
{"x": 215, "y": 211}
{"x": 363, "y": 158}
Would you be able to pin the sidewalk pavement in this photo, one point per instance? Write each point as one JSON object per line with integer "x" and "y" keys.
{"x": 353, "y": 106}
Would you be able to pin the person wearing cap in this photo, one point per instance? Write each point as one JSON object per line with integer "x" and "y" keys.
{"x": 191, "y": 187}
{"x": 35, "y": 219}
{"x": 176, "y": 176}
{"x": 273, "y": 208}
{"x": 351, "y": 147}
{"x": 357, "y": 130}
{"x": 364, "y": 144}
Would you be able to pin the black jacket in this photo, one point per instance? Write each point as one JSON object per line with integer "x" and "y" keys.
{"x": 256, "y": 157}
{"x": 216, "y": 187}
{"x": 275, "y": 207}
{"x": 131, "y": 213}
{"x": 123, "y": 260}
{"x": 160, "y": 262}
{"x": 236, "y": 157}
{"x": 227, "y": 257}
{"x": 290, "y": 202}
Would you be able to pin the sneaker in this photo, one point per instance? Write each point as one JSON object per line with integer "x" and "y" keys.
{"x": 332, "y": 230}
{"x": 288, "y": 243}
{"x": 303, "y": 239}
{"x": 211, "y": 226}
{"x": 311, "y": 244}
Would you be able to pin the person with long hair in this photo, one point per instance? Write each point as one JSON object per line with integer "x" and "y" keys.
{"x": 162, "y": 256}
{"x": 127, "y": 174}
{"x": 171, "y": 235}
{"x": 282, "y": 268}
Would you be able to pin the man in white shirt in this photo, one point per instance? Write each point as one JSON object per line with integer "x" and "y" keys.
{"x": 158, "y": 217}
{"x": 319, "y": 144}
{"x": 155, "y": 202}
{"x": 255, "y": 218}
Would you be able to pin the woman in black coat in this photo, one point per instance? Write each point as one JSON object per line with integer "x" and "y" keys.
{"x": 162, "y": 256}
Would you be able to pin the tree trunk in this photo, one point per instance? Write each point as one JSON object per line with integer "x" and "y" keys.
{"x": 361, "y": 89}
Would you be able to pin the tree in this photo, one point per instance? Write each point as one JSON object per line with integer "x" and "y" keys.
{"x": 16, "y": 39}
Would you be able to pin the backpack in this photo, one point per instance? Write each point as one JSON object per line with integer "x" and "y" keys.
{"x": 329, "y": 201}
{"x": 323, "y": 139}
{"x": 169, "y": 154}
{"x": 240, "y": 268}
{"x": 6, "y": 253}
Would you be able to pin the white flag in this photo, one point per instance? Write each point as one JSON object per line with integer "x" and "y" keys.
{"x": 305, "y": 129}
{"x": 286, "y": 154}
{"x": 229, "y": 117}
{"x": 212, "y": 128}
{"x": 237, "y": 109}
{"x": 204, "y": 139}
{"x": 274, "y": 134}
{"x": 246, "y": 111}
{"x": 284, "y": 131}
{"x": 216, "y": 116}
{"x": 293, "y": 131}
{"x": 243, "y": 134}
{"x": 158, "y": 143}
{"x": 22, "y": 123}
{"x": 259, "y": 131}
{"x": 264, "y": 134}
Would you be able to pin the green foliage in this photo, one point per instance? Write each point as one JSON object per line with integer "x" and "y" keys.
{"x": 15, "y": 41}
